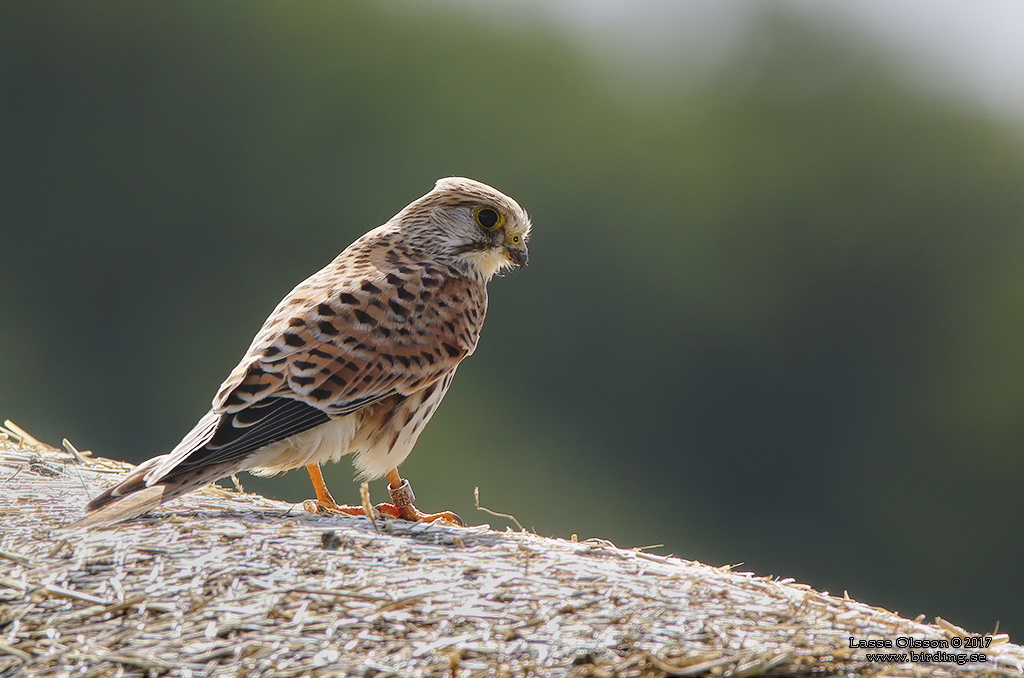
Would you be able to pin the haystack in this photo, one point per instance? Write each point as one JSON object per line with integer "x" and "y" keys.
{"x": 223, "y": 583}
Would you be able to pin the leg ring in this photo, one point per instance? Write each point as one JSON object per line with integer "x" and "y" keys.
{"x": 402, "y": 495}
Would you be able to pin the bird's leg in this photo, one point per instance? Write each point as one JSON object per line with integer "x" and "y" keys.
{"x": 403, "y": 503}
{"x": 323, "y": 495}
{"x": 324, "y": 502}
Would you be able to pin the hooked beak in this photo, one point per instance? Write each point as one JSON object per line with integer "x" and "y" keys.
{"x": 517, "y": 254}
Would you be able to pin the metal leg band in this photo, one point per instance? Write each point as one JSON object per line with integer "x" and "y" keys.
{"x": 402, "y": 495}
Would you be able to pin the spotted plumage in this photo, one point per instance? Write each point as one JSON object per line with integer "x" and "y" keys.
{"x": 355, "y": 359}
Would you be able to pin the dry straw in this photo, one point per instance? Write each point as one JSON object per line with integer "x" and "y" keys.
{"x": 229, "y": 584}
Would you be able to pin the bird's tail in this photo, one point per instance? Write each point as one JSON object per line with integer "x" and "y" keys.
{"x": 125, "y": 508}
{"x": 134, "y": 496}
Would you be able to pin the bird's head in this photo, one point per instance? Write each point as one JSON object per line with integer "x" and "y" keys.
{"x": 470, "y": 225}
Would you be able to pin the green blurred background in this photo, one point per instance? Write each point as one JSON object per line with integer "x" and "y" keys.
{"x": 773, "y": 314}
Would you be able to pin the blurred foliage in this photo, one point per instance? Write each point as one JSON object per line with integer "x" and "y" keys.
{"x": 772, "y": 316}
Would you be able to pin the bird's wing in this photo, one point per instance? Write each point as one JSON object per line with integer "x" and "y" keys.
{"x": 221, "y": 439}
{"x": 328, "y": 351}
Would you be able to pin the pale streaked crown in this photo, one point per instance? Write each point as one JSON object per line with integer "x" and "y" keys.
{"x": 468, "y": 224}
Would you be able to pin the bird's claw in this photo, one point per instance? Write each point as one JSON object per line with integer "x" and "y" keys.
{"x": 321, "y": 507}
{"x": 413, "y": 514}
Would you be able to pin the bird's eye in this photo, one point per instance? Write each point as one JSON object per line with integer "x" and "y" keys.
{"x": 488, "y": 218}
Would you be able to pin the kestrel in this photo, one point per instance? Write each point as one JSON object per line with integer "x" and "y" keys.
{"x": 355, "y": 360}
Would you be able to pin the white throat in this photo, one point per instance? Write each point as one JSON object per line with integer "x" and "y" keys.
{"x": 487, "y": 262}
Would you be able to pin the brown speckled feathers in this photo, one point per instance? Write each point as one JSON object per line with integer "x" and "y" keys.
{"x": 357, "y": 357}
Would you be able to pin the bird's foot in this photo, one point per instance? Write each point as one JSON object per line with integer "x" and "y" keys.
{"x": 413, "y": 514}
{"x": 402, "y": 502}
{"x": 324, "y": 502}
{"x": 403, "y": 506}
{"x": 408, "y": 512}
{"x": 325, "y": 507}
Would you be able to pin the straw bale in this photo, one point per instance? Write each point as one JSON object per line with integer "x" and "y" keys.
{"x": 222, "y": 583}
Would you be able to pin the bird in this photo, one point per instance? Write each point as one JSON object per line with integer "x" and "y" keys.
{"x": 353, "y": 361}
